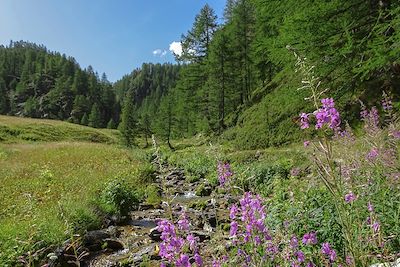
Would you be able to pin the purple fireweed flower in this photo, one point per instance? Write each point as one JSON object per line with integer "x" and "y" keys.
{"x": 224, "y": 172}
{"x": 234, "y": 228}
{"x": 373, "y": 154}
{"x": 300, "y": 256}
{"x": 328, "y": 103}
{"x": 233, "y": 211}
{"x": 192, "y": 242}
{"x": 327, "y": 115}
{"x": 183, "y": 261}
{"x": 304, "y": 121}
{"x": 328, "y": 251}
{"x": 310, "y": 264}
{"x": 183, "y": 223}
{"x": 216, "y": 263}
{"x": 374, "y": 117}
{"x": 350, "y": 197}
{"x": 387, "y": 102}
{"x": 364, "y": 113}
{"x": 294, "y": 242}
{"x": 198, "y": 260}
{"x": 310, "y": 238}
{"x": 332, "y": 257}
{"x": 370, "y": 207}
{"x": 306, "y": 143}
{"x": 376, "y": 226}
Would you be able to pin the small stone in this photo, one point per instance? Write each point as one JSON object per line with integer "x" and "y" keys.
{"x": 155, "y": 235}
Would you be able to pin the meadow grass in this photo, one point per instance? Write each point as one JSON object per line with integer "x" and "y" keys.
{"x": 26, "y": 130}
{"x": 47, "y": 187}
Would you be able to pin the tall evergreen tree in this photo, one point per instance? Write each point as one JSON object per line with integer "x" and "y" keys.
{"x": 95, "y": 120}
{"x": 4, "y": 101}
{"x": 85, "y": 119}
{"x": 128, "y": 126}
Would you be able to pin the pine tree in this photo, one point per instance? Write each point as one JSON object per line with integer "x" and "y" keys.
{"x": 85, "y": 119}
{"x": 111, "y": 124}
{"x": 128, "y": 126}
{"x": 95, "y": 117}
{"x": 166, "y": 118}
{"x": 4, "y": 101}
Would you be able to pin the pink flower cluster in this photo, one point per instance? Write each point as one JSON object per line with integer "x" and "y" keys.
{"x": 326, "y": 115}
{"x": 171, "y": 247}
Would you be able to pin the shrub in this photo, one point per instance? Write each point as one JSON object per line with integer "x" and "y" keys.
{"x": 121, "y": 196}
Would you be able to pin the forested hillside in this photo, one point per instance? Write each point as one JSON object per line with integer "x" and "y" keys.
{"x": 235, "y": 77}
{"x": 37, "y": 83}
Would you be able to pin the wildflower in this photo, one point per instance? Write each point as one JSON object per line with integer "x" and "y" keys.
{"x": 327, "y": 115}
{"x": 328, "y": 251}
{"x": 386, "y": 102}
{"x": 216, "y": 263}
{"x": 373, "y": 154}
{"x": 294, "y": 243}
{"x": 300, "y": 256}
{"x": 192, "y": 242}
{"x": 183, "y": 223}
{"x": 304, "y": 121}
{"x": 234, "y": 228}
{"x": 198, "y": 260}
{"x": 350, "y": 197}
{"x": 374, "y": 117}
{"x": 370, "y": 207}
{"x": 306, "y": 143}
{"x": 224, "y": 172}
{"x": 310, "y": 238}
{"x": 233, "y": 211}
{"x": 376, "y": 226}
{"x": 310, "y": 264}
{"x": 183, "y": 261}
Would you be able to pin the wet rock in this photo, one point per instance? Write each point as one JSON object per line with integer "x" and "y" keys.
{"x": 94, "y": 240}
{"x": 388, "y": 264}
{"x": 203, "y": 190}
{"x": 212, "y": 220}
{"x": 155, "y": 235}
{"x": 149, "y": 251}
{"x": 201, "y": 235}
{"x": 113, "y": 244}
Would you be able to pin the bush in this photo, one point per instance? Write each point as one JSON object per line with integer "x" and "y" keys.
{"x": 121, "y": 196}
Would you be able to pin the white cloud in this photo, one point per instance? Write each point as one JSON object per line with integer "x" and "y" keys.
{"x": 159, "y": 52}
{"x": 176, "y": 48}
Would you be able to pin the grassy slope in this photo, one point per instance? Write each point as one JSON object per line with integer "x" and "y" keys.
{"x": 48, "y": 185}
{"x": 17, "y": 130}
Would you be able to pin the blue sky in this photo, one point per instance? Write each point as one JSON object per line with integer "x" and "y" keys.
{"x": 114, "y": 36}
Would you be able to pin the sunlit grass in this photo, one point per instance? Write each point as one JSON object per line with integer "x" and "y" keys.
{"x": 44, "y": 185}
{"x": 17, "y": 130}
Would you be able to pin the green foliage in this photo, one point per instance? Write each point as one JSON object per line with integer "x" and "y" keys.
{"x": 153, "y": 194}
{"x": 120, "y": 195}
